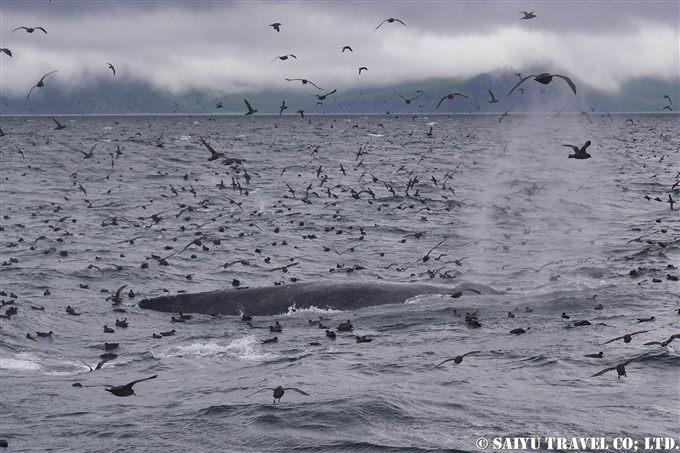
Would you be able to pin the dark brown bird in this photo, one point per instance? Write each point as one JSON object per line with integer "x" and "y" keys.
{"x": 347, "y": 48}
{"x": 284, "y": 57}
{"x": 345, "y": 326}
{"x": 39, "y": 84}
{"x": 599, "y": 355}
{"x": 276, "y": 26}
{"x": 391, "y": 20}
{"x": 116, "y": 299}
{"x": 450, "y": 96}
{"x": 545, "y": 78}
{"x": 322, "y": 97}
{"x": 457, "y": 359}
{"x": 59, "y": 125}
{"x": 279, "y": 391}
{"x": 627, "y": 338}
{"x": 126, "y": 390}
{"x": 30, "y": 30}
{"x": 579, "y": 153}
{"x": 7, "y": 51}
{"x": 493, "y": 98}
{"x": 250, "y": 108}
{"x": 408, "y": 100}
{"x": 214, "y": 155}
{"x": 304, "y": 82}
{"x": 620, "y": 369}
{"x": 664, "y": 343}
{"x": 283, "y": 107}
{"x": 363, "y": 68}
{"x": 89, "y": 154}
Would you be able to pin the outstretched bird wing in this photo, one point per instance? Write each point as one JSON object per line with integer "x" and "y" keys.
{"x": 130, "y": 384}
{"x": 520, "y": 82}
{"x": 297, "y": 390}
{"x": 568, "y": 80}
{"x": 444, "y": 361}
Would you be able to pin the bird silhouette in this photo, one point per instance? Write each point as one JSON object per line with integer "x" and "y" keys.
{"x": 450, "y": 96}
{"x": 664, "y": 343}
{"x": 627, "y": 338}
{"x": 527, "y": 15}
{"x": 59, "y": 125}
{"x": 90, "y": 154}
{"x": 40, "y": 84}
{"x": 408, "y": 100}
{"x": 125, "y": 390}
{"x": 283, "y": 107}
{"x": 276, "y": 26}
{"x": 250, "y": 108}
{"x": 390, "y": 20}
{"x": 493, "y": 98}
{"x": 112, "y": 68}
{"x": 7, "y": 51}
{"x": 545, "y": 78}
{"x": 279, "y": 391}
{"x": 214, "y": 155}
{"x": 347, "y": 48}
{"x": 458, "y": 358}
{"x": 579, "y": 153}
{"x": 665, "y": 96}
{"x": 30, "y": 30}
{"x": 284, "y": 57}
{"x": 323, "y": 96}
{"x": 363, "y": 68}
{"x": 305, "y": 82}
{"x": 620, "y": 369}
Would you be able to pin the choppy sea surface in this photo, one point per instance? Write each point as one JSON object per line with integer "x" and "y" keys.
{"x": 429, "y": 199}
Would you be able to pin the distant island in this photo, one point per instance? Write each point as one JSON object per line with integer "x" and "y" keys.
{"x": 128, "y": 96}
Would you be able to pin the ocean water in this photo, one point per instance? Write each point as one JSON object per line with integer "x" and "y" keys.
{"x": 340, "y": 199}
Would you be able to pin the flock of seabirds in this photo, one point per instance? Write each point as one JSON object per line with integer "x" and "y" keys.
{"x": 471, "y": 319}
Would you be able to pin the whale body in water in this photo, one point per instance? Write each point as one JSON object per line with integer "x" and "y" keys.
{"x": 274, "y": 300}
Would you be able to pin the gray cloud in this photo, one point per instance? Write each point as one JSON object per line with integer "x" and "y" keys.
{"x": 227, "y": 47}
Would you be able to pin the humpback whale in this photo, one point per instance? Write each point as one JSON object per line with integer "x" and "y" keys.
{"x": 274, "y": 300}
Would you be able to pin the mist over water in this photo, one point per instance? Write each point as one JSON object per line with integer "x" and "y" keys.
{"x": 316, "y": 205}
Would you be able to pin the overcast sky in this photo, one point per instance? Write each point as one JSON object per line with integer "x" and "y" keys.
{"x": 227, "y": 47}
